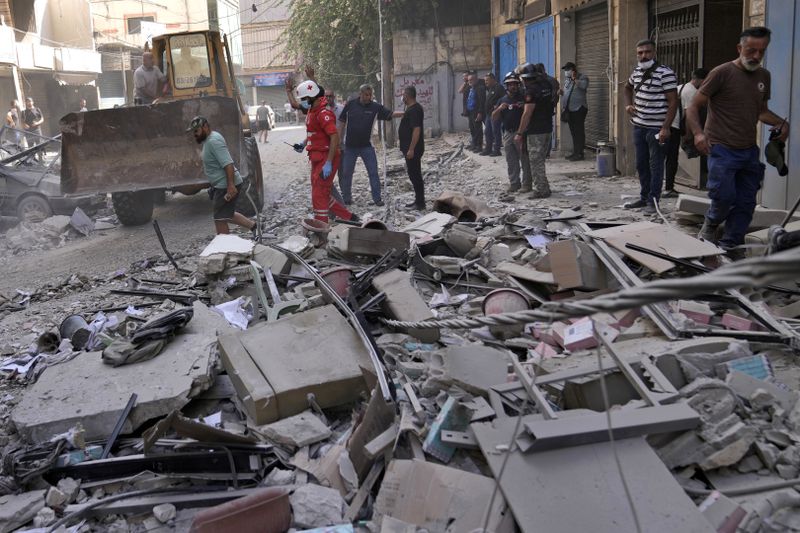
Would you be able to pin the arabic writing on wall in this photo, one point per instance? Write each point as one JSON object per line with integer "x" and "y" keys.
{"x": 423, "y": 84}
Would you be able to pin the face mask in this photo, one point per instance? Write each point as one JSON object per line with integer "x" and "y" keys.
{"x": 647, "y": 64}
{"x": 568, "y": 73}
{"x": 305, "y": 104}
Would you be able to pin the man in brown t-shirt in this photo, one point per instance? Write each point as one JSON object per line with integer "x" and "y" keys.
{"x": 736, "y": 94}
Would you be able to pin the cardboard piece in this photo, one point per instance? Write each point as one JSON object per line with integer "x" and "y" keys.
{"x": 575, "y": 266}
{"x": 429, "y": 226}
{"x": 316, "y": 351}
{"x": 526, "y": 273}
{"x": 439, "y": 498}
{"x": 325, "y": 468}
{"x": 656, "y": 237}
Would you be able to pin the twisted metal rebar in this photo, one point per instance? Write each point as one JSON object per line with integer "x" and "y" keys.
{"x": 751, "y": 273}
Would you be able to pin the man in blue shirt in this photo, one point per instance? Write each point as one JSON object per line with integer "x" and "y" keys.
{"x": 355, "y": 125}
{"x": 476, "y": 105}
{"x": 225, "y": 180}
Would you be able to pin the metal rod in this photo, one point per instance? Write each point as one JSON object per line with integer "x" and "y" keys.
{"x": 118, "y": 427}
{"x": 164, "y": 247}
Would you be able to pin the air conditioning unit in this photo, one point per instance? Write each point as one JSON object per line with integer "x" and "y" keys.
{"x": 536, "y": 9}
{"x": 514, "y": 11}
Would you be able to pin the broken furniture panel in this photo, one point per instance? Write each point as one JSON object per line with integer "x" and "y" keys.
{"x": 403, "y": 302}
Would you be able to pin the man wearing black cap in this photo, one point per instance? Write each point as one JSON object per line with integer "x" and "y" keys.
{"x": 736, "y": 94}
{"x": 225, "y": 180}
{"x": 574, "y": 108}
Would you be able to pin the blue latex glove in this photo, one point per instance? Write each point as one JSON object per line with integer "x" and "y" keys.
{"x": 298, "y": 147}
{"x": 327, "y": 168}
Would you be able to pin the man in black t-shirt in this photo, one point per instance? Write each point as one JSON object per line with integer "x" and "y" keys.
{"x": 412, "y": 144}
{"x": 508, "y": 113}
{"x": 536, "y": 127}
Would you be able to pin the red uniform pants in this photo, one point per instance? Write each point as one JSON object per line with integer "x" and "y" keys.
{"x": 321, "y": 199}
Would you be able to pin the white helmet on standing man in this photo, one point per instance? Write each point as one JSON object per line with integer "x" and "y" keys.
{"x": 307, "y": 89}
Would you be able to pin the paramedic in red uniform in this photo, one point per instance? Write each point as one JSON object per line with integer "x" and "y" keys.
{"x": 322, "y": 144}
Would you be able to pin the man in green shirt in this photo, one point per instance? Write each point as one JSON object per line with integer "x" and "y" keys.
{"x": 225, "y": 180}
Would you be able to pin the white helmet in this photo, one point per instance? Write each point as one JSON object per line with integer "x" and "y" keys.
{"x": 307, "y": 89}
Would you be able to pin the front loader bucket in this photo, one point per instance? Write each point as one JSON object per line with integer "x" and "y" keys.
{"x": 142, "y": 147}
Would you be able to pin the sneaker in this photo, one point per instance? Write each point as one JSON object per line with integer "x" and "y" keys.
{"x": 708, "y": 232}
{"x": 410, "y": 205}
{"x": 638, "y": 204}
{"x": 541, "y": 194}
{"x": 512, "y": 188}
{"x": 496, "y": 153}
{"x": 734, "y": 253}
{"x": 379, "y": 203}
{"x": 671, "y": 193}
{"x": 525, "y": 188}
{"x": 577, "y": 157}
{"x": 649, "y": 210}
{"x": 485, "y": 152}
{"x": 355, "y": 219}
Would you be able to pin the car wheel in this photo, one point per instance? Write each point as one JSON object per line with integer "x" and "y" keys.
{"x": 33, "y": 208}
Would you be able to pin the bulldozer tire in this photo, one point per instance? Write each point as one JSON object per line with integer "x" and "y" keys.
{"x": 133, "y": 208}
{"x": 159, "y": 196}
{"x": 253, "y": 183}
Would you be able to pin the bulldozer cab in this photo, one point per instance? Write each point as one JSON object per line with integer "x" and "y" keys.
{"x": 197, "y": 64}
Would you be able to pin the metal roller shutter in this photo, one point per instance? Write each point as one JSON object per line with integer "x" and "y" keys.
{"x": 591, "y": 30}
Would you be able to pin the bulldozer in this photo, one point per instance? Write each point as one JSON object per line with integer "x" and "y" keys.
{"x": 138, "y": 152}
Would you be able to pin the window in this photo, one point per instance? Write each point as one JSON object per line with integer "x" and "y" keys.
{"x": 189, "y": 56}
{"x": 23, "y": 16}
{"x": 135, "y": 23}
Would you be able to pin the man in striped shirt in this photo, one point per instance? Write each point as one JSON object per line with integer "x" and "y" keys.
{"x": 651, "y": 100}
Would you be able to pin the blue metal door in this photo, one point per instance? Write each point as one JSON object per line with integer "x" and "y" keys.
{"x": 783, "y": 60}
{"x": 506, "y": 53}
{"x": 540, "y": 44}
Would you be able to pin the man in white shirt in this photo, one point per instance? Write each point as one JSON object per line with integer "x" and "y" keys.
{"x": 685, "y": 94}
{"x": 146, "y": 80}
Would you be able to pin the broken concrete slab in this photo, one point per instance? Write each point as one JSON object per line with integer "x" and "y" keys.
{"x": 296, "y": 431}
{"x": 88, "y": 391}
{"x": 229, "y": 245}
{"x": 275, "y": 365}
{"x": 762, "y": 217}
{"x": 403, "y": 302}
{"x": 316, "y": 506}
{"x": 429, "y": 226}
{"x": 475, "y": 367}
{"x": 439, "y": 498}
{"x": 746, "y": 386}
{"x": 558, "y": 507}
{"x": 18, "y": 509}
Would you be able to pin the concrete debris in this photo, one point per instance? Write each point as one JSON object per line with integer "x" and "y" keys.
{"x": 314, "y": 506}
{"x": 296, "y": 431}
{"x": 19, "y": 509}
{"x": 164, "y": 512}
{"x": 317, "y": 413}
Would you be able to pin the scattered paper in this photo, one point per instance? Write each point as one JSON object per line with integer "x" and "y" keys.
{"x": 236, "y": 312}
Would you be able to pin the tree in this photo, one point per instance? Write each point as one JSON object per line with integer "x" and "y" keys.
{"x": 340, "y": 38}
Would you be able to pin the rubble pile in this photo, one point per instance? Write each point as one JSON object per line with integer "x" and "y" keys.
{"x": 478, "y": 368}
